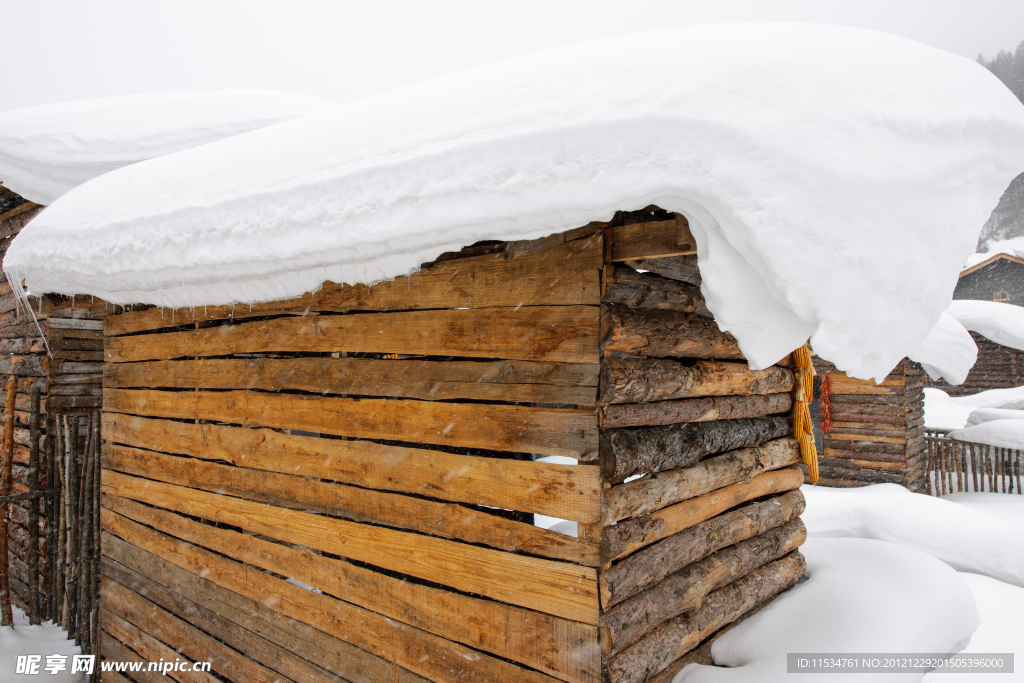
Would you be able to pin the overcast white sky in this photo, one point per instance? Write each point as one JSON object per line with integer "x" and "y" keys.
{"x": 53, "y": 51}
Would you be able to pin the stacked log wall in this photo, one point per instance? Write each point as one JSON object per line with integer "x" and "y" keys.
{"x": 342, "y": 486}
{"x": 877, "y": 430}
{"x": 997, "y": 367}
{"x": 701, "y": 497}
{"x": 58, "y": 349}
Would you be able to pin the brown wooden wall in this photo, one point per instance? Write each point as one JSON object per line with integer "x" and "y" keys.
{"x": 342, "y": 486}
{"x": 69, "y": 378}
{"x": 877, "y": 430}
{"x": 997, "y": 367}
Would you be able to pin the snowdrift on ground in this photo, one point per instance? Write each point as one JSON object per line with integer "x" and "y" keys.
{"x": 861, "y": 596}
{"x": 941, "y": 411}
{"x": 964, "y": 538}
{"x": 949, "y": 351}
{"x": 833, "y": 178}
{"x": 981, "y": 415}
{"x": 1001, "y": 433}
{"x": 1000, "y": 505}
{"x": 42, "y": 639}
{"x": 1002, "y": 323}
{"x": 46, "y": 151}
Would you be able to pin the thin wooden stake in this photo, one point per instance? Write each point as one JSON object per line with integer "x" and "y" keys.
{"x": 6, "y": 460}
{"x": 96, "y": 549}
{"x": 74, "y": 528}
{"x": 33, "y": 510}
{"x": 51, "y": 520}
{"x": 974, "y": 467}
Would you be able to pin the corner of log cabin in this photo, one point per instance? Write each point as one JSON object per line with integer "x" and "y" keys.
{"x": 344, "y": 484}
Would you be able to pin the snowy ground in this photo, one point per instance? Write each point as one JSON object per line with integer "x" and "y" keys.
{"x": 891, "y": 571}
{"x": 45, "y": 639}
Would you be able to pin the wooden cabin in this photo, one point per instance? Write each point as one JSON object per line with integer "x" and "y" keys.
{"x": 870, "y": 433}
{"x": 997, "y": 367}
{"x": 999, "y": 278}
{"x": 54, "y": 354}
{"x": 344, "y": 484}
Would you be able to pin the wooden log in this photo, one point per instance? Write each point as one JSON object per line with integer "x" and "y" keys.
{"x": 415, "y": 649}
{"x": 567, "y": 274}
{"x": 868, "y": 437}
{"x": 664, "y": 334}
{"x": 625, "y": 452}
{"x": 33, "y": 514}
{"x": 537, "y": 333}
{"x": 565, "y": 491}
{"x": 24, "y": 366}
{"x": 165, "y": 583}
{"x": 558, "y": 588}
{"x": 686, "y": 590}
{"x": 52, "y": 503}
{"x": 6, "y": 464}
{"x": 651, "y": 240}
{"x": 22, "y": 346}
{"x": 694, "y": 410}
{"x": 682, "y": 268}
{"x": 445, "y": 520}
{"x": 74, "y": 491}
{"x": 642, "y": 380}
{"x": 513, "y": 381}
{"x": 638, "y": 532}
{"x": 675, "y": 638}
{"x": 650, "y": 494}
{"x": 646, "y": 290}
{"x": 517, "y": 429}
{"x": 861, "y": 455}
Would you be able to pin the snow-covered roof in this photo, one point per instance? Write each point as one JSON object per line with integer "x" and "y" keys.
{"x": 834, "y": 180}
{"x": 46, "y": 151}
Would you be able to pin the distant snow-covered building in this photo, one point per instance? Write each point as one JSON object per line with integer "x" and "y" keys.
{"x": 999, "y": 277}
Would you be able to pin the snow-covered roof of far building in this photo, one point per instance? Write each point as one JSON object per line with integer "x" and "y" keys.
{"x": 834, "y": 179}
{"x": 46, "y": 151}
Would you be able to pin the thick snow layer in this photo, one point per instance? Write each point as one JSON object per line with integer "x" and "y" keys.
{"x": 964, "y": 538}
{"x": 944, "y": 412}
{"x": 46, "y": 151}
{"x": 1001, "y": 433}
{"x": 1013, "y": 246}
{"x": 1002, "y": 630}
{"x": 44, "y": 639}
{"x": 1000, "y": 505}
{"x": 812, "y": 162}
{"x": 949, "y": 351}
{"x": 1002, "y": 323}
{"x": 980, "y": 415}
{"x": 861, "y": 596}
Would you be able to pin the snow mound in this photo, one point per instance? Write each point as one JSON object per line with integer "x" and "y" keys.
{"x": 1002, "y": 323}
{"x": 48, "y": 150}
{"x": 1001, "y": 630}
{"x": 1003, "y": 506}
{"x": 981, "y": 415}
{"x": 949, "y": 351}
{"x": 1000, "y": 433}
{"x": 964, "y": 538}
{"x": 861, "y": 596}
{"x": 811, "y": 162}
{"x": 1013, "y": 246}
{"x": 42, "y": 639}
{"x": 940, "y": 412}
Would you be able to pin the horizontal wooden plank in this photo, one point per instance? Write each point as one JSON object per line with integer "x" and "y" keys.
{"x": 446, "y": 520}
{"x": 75, "y": 323}
{"x": 513, "y": 381}
{"x": 519, "y": 429}
{"x": 643, "y": 380}
{"x": 539, "y": 333}
{"x": 631, "y": 535}
{"x": 557, "y": 588}
{"x": 664, "y": 334}
{"x": 55, "y": 403}
{"x": 867, "y": 437}
{"x": 152, "y": 649}
{"x": 24, "y": 366}
{"x": 168, "y": 584}
{"x": 693, "y": 410}
{"x": 655, "y": 239}
{"x": 68, "y": 367}
{"x": 564, "y": 491}
{"x": 381, "y": 614}
{"x": 116, "y": 651}
{"x": 566, "y": 274}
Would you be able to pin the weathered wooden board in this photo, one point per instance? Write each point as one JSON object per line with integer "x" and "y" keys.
{"x": 655, "y": 239}
{"x": 519, "y": 429}
{"x": 706, "y": 409}
{"x": 446, "y": 520}
{"x": 538, "y": 333}
{"x": 633, "y": 534}
{"x": 566, "y": 274}
{"x": 421, "y": 652}
{"x": 557, "y": 588}
{"x": 564, "y": 491}
{"x": 513, "y": 381}
{"x": 167, "y": 584}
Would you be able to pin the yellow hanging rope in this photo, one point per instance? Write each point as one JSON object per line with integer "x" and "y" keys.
{"x": 803, "y": 390}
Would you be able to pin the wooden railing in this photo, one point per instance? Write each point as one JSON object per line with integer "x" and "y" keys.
{"x": 957, "y": 466}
